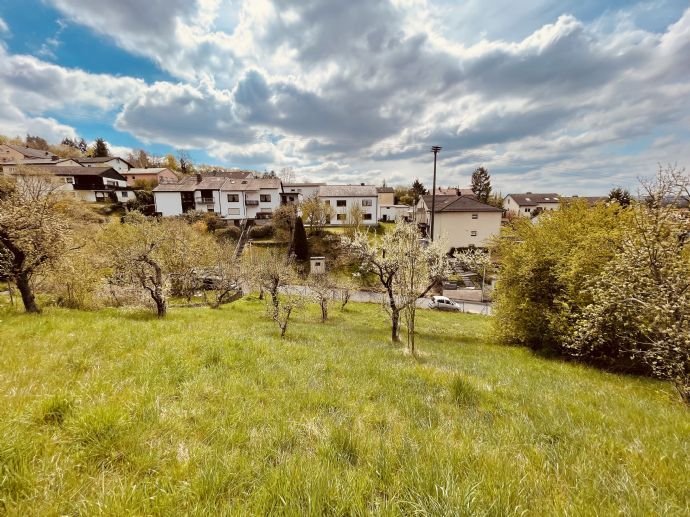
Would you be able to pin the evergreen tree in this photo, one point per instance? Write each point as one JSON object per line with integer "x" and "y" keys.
{"x": 481, "y": 184}
{"x": 82, "y": 145}
{"x": 36, "y": 142}
{"x": 299, "y": 241}
{"x": 621, "y": 196}
{"x": 418, "y": 190}
{"x": 101, "y": 149}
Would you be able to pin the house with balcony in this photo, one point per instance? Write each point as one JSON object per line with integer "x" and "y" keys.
{"x": 298, "y": 192}
{"x": 91, "y": 184}
{"x": 233, "y": 199}
{"x": 344, "y": 198}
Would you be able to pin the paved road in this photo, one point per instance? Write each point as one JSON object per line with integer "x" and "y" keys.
{"x": 372, "y": 297}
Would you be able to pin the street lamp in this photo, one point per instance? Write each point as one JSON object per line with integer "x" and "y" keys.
{"x": 434, "y": 149}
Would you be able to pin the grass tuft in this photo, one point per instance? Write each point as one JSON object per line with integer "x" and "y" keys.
{"x": 55, "y": 410}
{"x": 463, "y": 393}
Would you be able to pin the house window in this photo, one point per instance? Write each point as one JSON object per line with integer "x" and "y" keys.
{"x": 527, "y": 209}
{"x": 341, "y": 217}
{"x": 366, "y": 202}
{"x": 473, "y": 233}
{"x": 317, "y": 264}
{"x": 265, "y": 198}
{"x": 124, "y": 194}
{"x": 475, "y": 216}
{"x": 341, "y": 202}
{"x": 367, "y": 217}
{"x": 68, "y": 179}
{"x": 233, "y": 198}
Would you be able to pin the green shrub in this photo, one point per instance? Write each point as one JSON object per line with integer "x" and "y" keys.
{"x": 261, "y": 231}
{"x": 231, "y": 233}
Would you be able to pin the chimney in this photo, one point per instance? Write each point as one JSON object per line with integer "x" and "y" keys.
{"x": 528, "y": 192}
{"x": 198, "y": 178}
{"x": 361, "y": 184}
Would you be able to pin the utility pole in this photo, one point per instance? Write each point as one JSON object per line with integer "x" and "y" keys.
{"x": 435, "y": 149}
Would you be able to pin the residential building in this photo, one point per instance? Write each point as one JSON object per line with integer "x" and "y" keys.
{"x": 454, "y": 191}
{"x": 343, "y": 198}
{"x": 462, "y": 221}
{"x": 525, "y": 204}
{"x": 92, "y": 184}
{"x": 233, "y": 199}
{"x": 395, "y": 213}
{"x": 151, "y": 174}
{"x": 13, "y": 153}
{"x": 298, "y": 192}
{"x": 120, "y": 165}
{"x": 386, "y": 196}
{"x": 11, "y": 167}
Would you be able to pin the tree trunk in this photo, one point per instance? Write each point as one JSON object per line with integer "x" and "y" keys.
{"x": 324, "y": 310}
{"x": 161, "y": 306}
{"x": 395, "y": 325}
{"x": 25, "y": 290}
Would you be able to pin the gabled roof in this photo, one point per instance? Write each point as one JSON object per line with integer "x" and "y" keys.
{"x": 205, "y": 182}
{"x": 231, "y": 174}
{"x": 72, "y": 170}
{"x": 458, "y": 204}
{"x": 385, "y": 190}
{"x": 102, "y": 159}
{"x": 533, "y": 199}
{"x": 454, "y": 191}
{"x": 347, "y": 191}
{"x": 303, "y": 184}
{"x": 149, "y": 170}
{"x": 30, "y": 152}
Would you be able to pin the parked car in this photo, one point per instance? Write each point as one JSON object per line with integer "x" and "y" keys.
{"x": 444, "y": 303}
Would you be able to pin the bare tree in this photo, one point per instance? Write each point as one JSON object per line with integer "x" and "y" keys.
{"x": 321, "y": 289}
{"x": 32, "y": 229}
{"x": 273, "y": 272}
{"x": 405, "y": 268}
{"x": 151, "y": 253}
{"x": 316, "y": 213}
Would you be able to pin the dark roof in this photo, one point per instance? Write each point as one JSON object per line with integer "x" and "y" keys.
{"x": 458, "y": 204}
{"x": 192, "y": 183}
{"x": 454, "y": 191}
{"x": 532, "y": 199}
{"x": 230, "y": 174}
{"x": 385, "y": 190}
{"x": 102, "y": 159}
{"x": 302, "y": 184}
{"x": 31, "y": 152}
{"x": 347, "y": 191}
{"x": 105, "y": 172}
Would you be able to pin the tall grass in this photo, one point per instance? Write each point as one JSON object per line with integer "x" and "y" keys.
{"x": 209, "y": 412}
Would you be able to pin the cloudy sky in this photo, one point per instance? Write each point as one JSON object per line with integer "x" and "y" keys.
{"x": 572, "y": 96}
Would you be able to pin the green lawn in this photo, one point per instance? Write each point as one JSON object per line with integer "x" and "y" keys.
{"x": 208, "y": 412}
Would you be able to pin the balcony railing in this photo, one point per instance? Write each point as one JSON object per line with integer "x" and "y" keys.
{"x": 251, "y": 202}
{"x": 205, "y": 201}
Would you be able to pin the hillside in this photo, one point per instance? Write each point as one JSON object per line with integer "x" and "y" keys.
{"x": 207, "y": 411}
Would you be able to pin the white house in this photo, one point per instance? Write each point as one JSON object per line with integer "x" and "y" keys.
{"x": 93, "y": 184}
{"x": 234, "y": 199}
{"x": 120, "y": 165}
{"x": 298, "y": 192}
{"x": 525, "y": 204}
{"x": 462, "y": 221}
{"x": 395, "y": 213}
{"x": 344, "y": 197}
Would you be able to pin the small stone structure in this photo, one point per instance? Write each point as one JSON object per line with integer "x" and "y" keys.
{"x": 317, "y": 265}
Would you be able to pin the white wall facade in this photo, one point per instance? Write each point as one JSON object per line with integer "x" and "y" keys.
{"x": 368, "y": 204}
{"x": 116, "y": 163}
{"x": 394, "y": 212}
{"x": 168, "y": 203}
{"x": 512, "y": 207}
{"x": 465, "y": 229}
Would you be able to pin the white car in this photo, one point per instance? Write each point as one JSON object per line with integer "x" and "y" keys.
{"x": 444, "y": 304}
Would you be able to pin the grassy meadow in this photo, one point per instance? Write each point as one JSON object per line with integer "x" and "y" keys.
{"x": 209, "y": 412}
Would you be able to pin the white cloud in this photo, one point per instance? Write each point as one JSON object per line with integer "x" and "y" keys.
{"x": 339, "y": 90}
{"x": 4, "y": 28}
